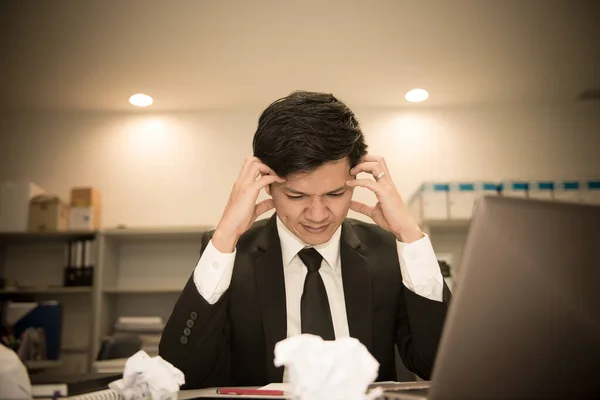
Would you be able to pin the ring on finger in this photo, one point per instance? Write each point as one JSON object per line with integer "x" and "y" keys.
{"x": 380, "y": 175}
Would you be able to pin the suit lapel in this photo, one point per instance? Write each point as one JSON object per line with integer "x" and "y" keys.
{"x": 270, "y": 286}
{"x": 357, "y": 286}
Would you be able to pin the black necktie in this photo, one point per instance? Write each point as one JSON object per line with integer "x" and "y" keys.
{"x": 315, "y": 314}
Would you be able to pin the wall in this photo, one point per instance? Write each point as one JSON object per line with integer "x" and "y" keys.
{"x": 178, "y": 168}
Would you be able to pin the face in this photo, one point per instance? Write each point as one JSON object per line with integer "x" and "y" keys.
{"x": 313, "y": 205}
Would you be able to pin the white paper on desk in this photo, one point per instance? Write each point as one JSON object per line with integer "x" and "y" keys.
{"x": 148, "y": 377}
{"x": 327, "y": 370}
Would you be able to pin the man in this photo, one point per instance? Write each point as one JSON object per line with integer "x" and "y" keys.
{"x": 307, "y": 269}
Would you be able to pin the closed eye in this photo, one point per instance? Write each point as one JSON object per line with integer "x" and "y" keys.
{"x": 303, "y": 196}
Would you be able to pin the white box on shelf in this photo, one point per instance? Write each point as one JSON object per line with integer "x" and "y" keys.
{"x": 14, "y": 204}
{"x": 591, "y": 192}
{"x": 541, "y": 190}
{"x": 569, "y": 191}
{"x": 82, "y": 219}
{"x": 515, "y": 188}
{"x": 431, "y": 202}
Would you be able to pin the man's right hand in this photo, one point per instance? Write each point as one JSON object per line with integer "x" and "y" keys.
{"x": 242, "y": 210}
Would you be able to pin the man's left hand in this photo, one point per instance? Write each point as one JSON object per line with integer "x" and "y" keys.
{"x": 390, "y": 212}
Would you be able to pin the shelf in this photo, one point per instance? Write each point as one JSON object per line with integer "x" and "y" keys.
{"x": 47, "y": 290}
{"x": 74, "y": 349}
{"x": 37, "y": 237}
{"x": 41, "y": 364}
{"x": 156, "y": 290}
{"x": 159, "y": 233}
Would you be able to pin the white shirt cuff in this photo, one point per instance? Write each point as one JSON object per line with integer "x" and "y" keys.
{"x": 212, "y": 274}
{"x": 420, "y": 269}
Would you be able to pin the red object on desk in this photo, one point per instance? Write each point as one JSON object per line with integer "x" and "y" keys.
{"x": 250, "y": 392}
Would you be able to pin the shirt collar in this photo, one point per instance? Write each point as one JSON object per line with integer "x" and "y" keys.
{"x": 291, "y": 245}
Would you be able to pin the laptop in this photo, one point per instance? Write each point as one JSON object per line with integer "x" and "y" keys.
{"x": 524, "y": 321}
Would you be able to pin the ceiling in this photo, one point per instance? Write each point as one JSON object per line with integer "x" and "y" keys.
{"x": 194, "y": 54}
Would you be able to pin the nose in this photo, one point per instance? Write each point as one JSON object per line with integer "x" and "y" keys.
{"x": 317, "y": 212}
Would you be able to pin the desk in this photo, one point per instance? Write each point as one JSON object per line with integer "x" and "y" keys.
{"x": 211, "y": 393}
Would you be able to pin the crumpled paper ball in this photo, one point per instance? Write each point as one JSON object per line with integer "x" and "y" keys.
{"x": 327, "y": 370}
{"x": 146, "y": 377}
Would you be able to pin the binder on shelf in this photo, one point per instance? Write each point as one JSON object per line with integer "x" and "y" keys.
{"x": 79, "y": 269}
{"x": 44, "y": 317}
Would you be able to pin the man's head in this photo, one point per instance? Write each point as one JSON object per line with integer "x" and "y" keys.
{"x": 313, "y": 140}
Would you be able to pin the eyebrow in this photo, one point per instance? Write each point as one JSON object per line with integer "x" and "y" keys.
{"x": 304, "y": 194}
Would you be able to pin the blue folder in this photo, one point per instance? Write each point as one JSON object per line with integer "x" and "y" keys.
{"x": 45, "y": 315}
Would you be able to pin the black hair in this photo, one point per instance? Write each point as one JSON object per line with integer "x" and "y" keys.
{"x": 303, "y": 131}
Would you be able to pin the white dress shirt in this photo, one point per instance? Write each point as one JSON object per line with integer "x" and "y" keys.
{"x": 418, "y": 265}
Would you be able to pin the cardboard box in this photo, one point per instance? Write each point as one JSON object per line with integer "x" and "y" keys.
{"x": 47, "y": 214}
{"x": 14, "y": 204}
{"x": 85, "y": 197}
{"x": 541, "y": 190}
{"x": 85, "y": 212}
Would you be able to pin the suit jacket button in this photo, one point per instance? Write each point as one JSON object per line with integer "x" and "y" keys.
{"x": 187, "y": 331}
{"x": 190, "y": 323}
{"x": 183, "y": 339}
{"x": 194, "y": 315}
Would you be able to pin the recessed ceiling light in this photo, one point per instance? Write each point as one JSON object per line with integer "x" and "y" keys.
{"x": 140, "y": 100}
{"x": 416, "y": 95}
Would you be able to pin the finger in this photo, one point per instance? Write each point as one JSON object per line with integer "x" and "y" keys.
{"x": 371, "y": 158}
{"x": 247, "y": 162}
{"x": 263, "y": 207}
{"x": 361, "y": 208}
{"x": 256, "y": 169}
{"x": 371, "y": 167}
{"x": 373, "y": 186}
{"x": 375, "y": 158}
{"x": 267, "y": 180}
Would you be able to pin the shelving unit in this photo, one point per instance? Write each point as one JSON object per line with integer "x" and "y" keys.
{"x": 47, "y": 290}
{"x": 35, "y": 261}
{"x": 138, "y": 272}
{"x": 143, "y": 272}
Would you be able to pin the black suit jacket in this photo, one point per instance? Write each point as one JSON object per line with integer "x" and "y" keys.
{"x": 232, "y": 341}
